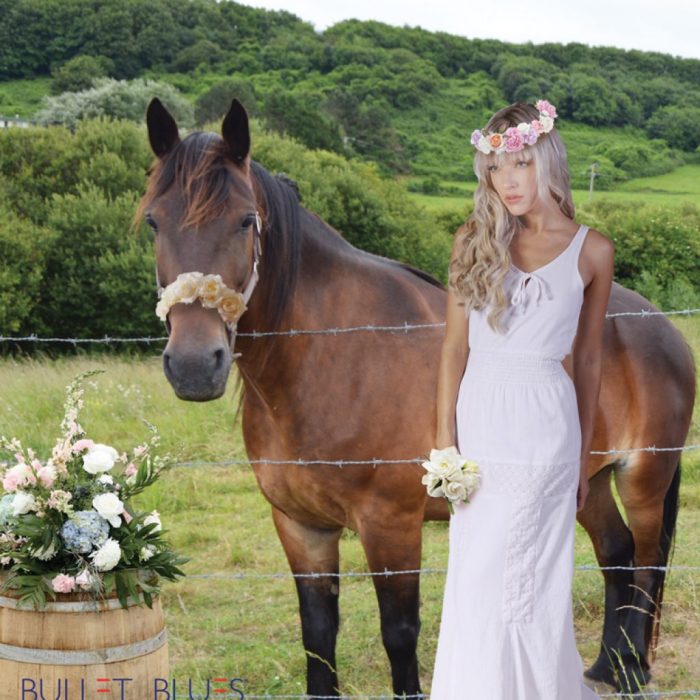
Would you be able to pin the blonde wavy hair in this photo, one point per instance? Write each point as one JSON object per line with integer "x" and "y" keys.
{"x": 481, "y": 260}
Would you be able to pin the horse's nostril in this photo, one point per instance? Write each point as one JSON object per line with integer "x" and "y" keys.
{"x": 219, "y": 358}
{"x": 166, "y": 361}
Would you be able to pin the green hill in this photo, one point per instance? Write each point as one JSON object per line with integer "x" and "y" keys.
{"x": 405, "y": 98}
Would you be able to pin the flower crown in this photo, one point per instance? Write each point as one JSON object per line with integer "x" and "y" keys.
{"x": 517, "y": 137}
{"x": 209, "y": 289}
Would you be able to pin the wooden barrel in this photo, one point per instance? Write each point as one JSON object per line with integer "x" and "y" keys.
{"x": 80, "y": 643}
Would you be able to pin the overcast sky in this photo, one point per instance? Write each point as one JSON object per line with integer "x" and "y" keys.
{"x": 668, "y": 26}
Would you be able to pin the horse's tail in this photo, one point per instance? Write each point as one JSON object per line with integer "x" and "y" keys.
{"x": 667, "y": 545}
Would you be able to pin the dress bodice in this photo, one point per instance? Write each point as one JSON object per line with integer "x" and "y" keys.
{"x": 542, "y": 317}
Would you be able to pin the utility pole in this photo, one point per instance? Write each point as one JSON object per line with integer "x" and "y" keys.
{"x": 594, "y": 174}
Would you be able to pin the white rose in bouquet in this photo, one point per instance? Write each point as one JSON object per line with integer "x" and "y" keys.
{"x": 451, "y": 476}
{"x": 99, "y": 458}
{"x": 22, "y": 503}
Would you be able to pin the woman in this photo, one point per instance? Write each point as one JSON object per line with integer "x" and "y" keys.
{"x": 528, "y": 288}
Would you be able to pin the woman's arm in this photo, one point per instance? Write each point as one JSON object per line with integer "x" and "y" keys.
{"x": 453, "y": 360}
{"x": 588, "y": 345}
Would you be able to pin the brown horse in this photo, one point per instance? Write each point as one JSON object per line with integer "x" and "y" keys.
{"x": 366, "y": 395}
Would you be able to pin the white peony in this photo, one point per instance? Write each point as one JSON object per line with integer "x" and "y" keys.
{"x": 154, "y": 517}
{"x": 22, "y": 503}
{"x": 109, "y": 507}
{"x": 107, "y": 556}
{"x": 99, "y": 458}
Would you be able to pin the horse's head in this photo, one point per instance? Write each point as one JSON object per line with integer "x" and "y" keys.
{"x": 201, "y": 205}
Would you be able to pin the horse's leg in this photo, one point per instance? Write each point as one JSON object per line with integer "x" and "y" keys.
{"x": 614, "y": 546}
{"x": 392, "y": 542}
{"x": 315, "y": 550}
{"x": 648, "y": 507}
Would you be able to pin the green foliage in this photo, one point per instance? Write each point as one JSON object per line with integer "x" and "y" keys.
{"x": 79, "y": 73}
{"x": 657, "y": 249}
{"x": 23, "y": 247}
{"x": 120, "y": 99}
{"x": 297, "y": 116}
{"x": 677, "y": 125}
{"x": 214, "y": 103}
{"x": 201, "y": 52}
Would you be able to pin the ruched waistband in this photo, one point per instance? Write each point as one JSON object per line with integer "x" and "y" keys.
{"x": 497, "y": 365}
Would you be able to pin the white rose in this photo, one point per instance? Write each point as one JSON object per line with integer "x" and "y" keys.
{"x": 105, "y": 479}
{"x": 22, "y": 503}
{"x": 154, "y": 517}
{"x": 455, "y": 491}
{"x": 109, "y": 507}
{"x": 433, "y": 484}
{"x": 99, "y": 458}
{"x": 547, "y": 123}
{"x": 107, "y": 556}
{"x": 484, "y": 146}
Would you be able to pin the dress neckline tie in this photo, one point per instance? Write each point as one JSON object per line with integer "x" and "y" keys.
{"x": 520, "y": 294}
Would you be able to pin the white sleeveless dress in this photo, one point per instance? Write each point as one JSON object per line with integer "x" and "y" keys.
{"x": 507, "y": 629}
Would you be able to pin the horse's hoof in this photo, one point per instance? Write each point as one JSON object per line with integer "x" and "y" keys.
{"x": 601, "y": 672}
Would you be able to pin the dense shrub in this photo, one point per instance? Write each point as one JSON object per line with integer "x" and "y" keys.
{"x": 121, "y": 99}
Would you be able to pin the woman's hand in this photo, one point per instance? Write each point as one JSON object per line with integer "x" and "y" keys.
{"x": 582, "y": 491}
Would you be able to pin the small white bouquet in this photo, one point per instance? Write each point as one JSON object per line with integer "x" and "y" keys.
{"x": 451, "y": 476}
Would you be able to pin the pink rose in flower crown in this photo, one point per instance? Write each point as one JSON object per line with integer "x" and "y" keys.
{"x": 514, "y": 139}
{"x": 546, "y": 108}
{"x": 537, "y": 126}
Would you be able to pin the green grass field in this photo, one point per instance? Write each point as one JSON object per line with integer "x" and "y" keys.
{"x": 250, "y": 628}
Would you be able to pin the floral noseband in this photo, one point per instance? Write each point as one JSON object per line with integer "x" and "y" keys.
{"x": 211, "y": 290}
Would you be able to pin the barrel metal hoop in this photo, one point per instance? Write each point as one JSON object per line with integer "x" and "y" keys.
{"x": 60, "y": 657}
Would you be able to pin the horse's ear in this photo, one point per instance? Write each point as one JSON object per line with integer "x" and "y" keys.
{"x": 162, "y": 129}
{"x": 236, "y": 131}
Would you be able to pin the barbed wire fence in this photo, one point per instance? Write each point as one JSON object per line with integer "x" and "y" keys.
{"x": 375, "y": 462}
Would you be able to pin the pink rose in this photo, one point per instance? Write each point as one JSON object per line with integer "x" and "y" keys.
{"x": 514, "y": 140}
{"x": 47, "y": 475}
{"x": 537, "y": 126}
{"x": 63, "y": 583}
{"x": 11, "y": 481}
{"x": 546, "y": 108}
{"x": 81, "y": 445}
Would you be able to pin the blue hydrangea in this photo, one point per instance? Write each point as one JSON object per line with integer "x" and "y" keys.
{"x": 85, "y": 530}
{"x": 6, "y": 508}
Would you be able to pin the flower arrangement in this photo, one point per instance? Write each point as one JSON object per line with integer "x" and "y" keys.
{"x": 68, "y": 525}
{"x": 517, "y": 137}
{"x": 451, "y": 476}
{"x": 209, "y": 289}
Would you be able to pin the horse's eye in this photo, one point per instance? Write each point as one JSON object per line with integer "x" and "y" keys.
{"x": 248, "y": 221}
{"x": 151, "y": 222}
